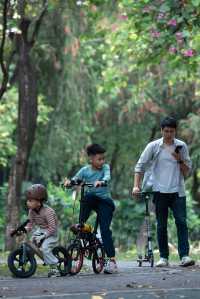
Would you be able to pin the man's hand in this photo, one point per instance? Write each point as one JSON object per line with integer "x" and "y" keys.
{"x": 135, "y": 192}
{"x": 177, "y": 156}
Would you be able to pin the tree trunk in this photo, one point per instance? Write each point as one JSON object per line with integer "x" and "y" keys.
{"x": 27, "y": 117}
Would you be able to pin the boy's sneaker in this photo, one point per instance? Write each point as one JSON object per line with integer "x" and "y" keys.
{"x": 110, "y": 267}
{"x": 53, "y": 272}
{"x": 187, "y": 261}
{"x": 163, "y": 262}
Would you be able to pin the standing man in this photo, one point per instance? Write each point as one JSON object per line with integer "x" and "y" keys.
{"x": 164, "y": 163}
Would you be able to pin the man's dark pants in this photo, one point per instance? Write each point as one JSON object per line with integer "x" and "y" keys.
{"x": 104, "y": 209}
{"x": 164, "y": 201}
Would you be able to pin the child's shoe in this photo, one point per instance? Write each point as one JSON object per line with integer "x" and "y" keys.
{"x": 53, "y": 271}
{"x": 110, "y": 267}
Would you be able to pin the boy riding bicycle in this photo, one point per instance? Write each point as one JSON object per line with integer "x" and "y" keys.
{"x": 44, "y": 220}
{"x": 98, "y": 199}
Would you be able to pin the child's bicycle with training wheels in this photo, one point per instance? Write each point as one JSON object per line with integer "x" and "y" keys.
{"x": 86, "y": 243}
{"x": 22, "y": 262}
{"x": 148, "y": 251}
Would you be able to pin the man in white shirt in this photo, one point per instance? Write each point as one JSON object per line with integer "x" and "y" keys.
{"x": 165, "y": 162}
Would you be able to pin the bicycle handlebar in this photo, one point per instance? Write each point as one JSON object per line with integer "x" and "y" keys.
{"x": 145, "y": 193}
{"x": 20, "y": 229}
{"x": 83, "y": 184}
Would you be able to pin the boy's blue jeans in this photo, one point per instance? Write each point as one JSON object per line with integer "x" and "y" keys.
{"x": 164, "y": 201}
{"x": 104, "y": 209}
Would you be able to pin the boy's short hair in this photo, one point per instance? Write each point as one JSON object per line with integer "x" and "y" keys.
{"x": 168, "y": 122}
{"x": 94, "y": 149}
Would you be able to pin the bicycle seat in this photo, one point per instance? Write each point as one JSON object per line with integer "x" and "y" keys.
{"x": 86, "y": 228}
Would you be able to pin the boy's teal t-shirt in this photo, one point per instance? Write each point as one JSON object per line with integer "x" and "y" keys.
{"x": 90, "y": 175}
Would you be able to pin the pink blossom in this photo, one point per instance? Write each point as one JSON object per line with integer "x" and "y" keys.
{"x": 179, "y": 34}
{"x": 188, "y": 53}
{"x": 122, "y": 17}
{"x": 161, "y": 16}
{"x": 179, "y": 37}
{"x": 146, "y": 9}
{"x": 114, "y": 27}
{"x": 155, "y": 33}
{"x": 172, "y": 22}
{"x": 172, "y": 50}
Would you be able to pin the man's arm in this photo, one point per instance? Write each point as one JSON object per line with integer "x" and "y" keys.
{"x": 184, "y": 168}
{"x": 140, "y": 167}
{"x": 137, "y": 183}
{"x": 183, "y": 160}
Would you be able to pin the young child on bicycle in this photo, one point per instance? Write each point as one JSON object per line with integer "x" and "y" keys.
{"x": 98, "y": 198}
{"x": 43, "y": 219}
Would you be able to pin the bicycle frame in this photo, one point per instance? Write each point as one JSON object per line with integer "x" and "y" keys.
{"x": 86, "y": 242}
{"x": 30, "y": 246}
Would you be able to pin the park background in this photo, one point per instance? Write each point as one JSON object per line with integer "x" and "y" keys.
{"x": 104, "y": 71}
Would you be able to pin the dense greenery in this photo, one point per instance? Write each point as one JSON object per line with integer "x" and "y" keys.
{"x": 107, "y": 72}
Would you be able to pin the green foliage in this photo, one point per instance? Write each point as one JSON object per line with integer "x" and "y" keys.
{"x": 66, "y": 209}
{"x": 8, "y": 118}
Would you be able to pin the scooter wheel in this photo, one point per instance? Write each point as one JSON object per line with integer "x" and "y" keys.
{"x": 151, "y": 260}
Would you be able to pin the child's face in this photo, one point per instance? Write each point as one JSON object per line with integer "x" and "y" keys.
{"x": 97, "y": 161}
{"x": 33, "y": 203}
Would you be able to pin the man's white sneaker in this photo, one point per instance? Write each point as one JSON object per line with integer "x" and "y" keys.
{"x": 163, "y": 262}
{"x": 187, "y": 261}
{"x": 110, "y": 267}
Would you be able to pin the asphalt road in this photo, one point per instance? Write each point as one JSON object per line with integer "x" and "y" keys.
{"x": 131, "y": 282}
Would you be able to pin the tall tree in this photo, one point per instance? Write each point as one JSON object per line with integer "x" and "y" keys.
{"x": 27, "y": 111}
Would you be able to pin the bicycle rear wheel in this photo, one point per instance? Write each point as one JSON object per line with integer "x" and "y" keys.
{"x": 98, "y": 259}
{"x": 20, "y": 268}
{"x": 64, "y": 260}
{"x": 76, "y": 254}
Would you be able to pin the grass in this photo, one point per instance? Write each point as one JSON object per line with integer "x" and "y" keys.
{"x": 131, "y": 255}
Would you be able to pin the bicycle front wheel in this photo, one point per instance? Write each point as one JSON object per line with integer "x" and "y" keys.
{"x": 76, "y": 254}
{"x": 98, "y": 259}
{"x": 18, "y": 266}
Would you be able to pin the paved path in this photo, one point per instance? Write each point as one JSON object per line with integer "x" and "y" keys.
{"x": 131, "y": 282}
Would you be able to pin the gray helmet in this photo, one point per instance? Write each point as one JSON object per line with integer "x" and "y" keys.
{"x": 38, "y": 192}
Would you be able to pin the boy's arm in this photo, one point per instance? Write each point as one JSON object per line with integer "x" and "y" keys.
{"x": 106, "y": 176}
{"x": 29, "y": 225}
{"x": 79, "y": 175}
{"x": 51, "y": 222}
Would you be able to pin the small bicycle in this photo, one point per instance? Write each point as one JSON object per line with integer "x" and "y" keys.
{"x": 22, "y": 262}
{"x": 86, "y": 242}
{"x": 148, "y": 253}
